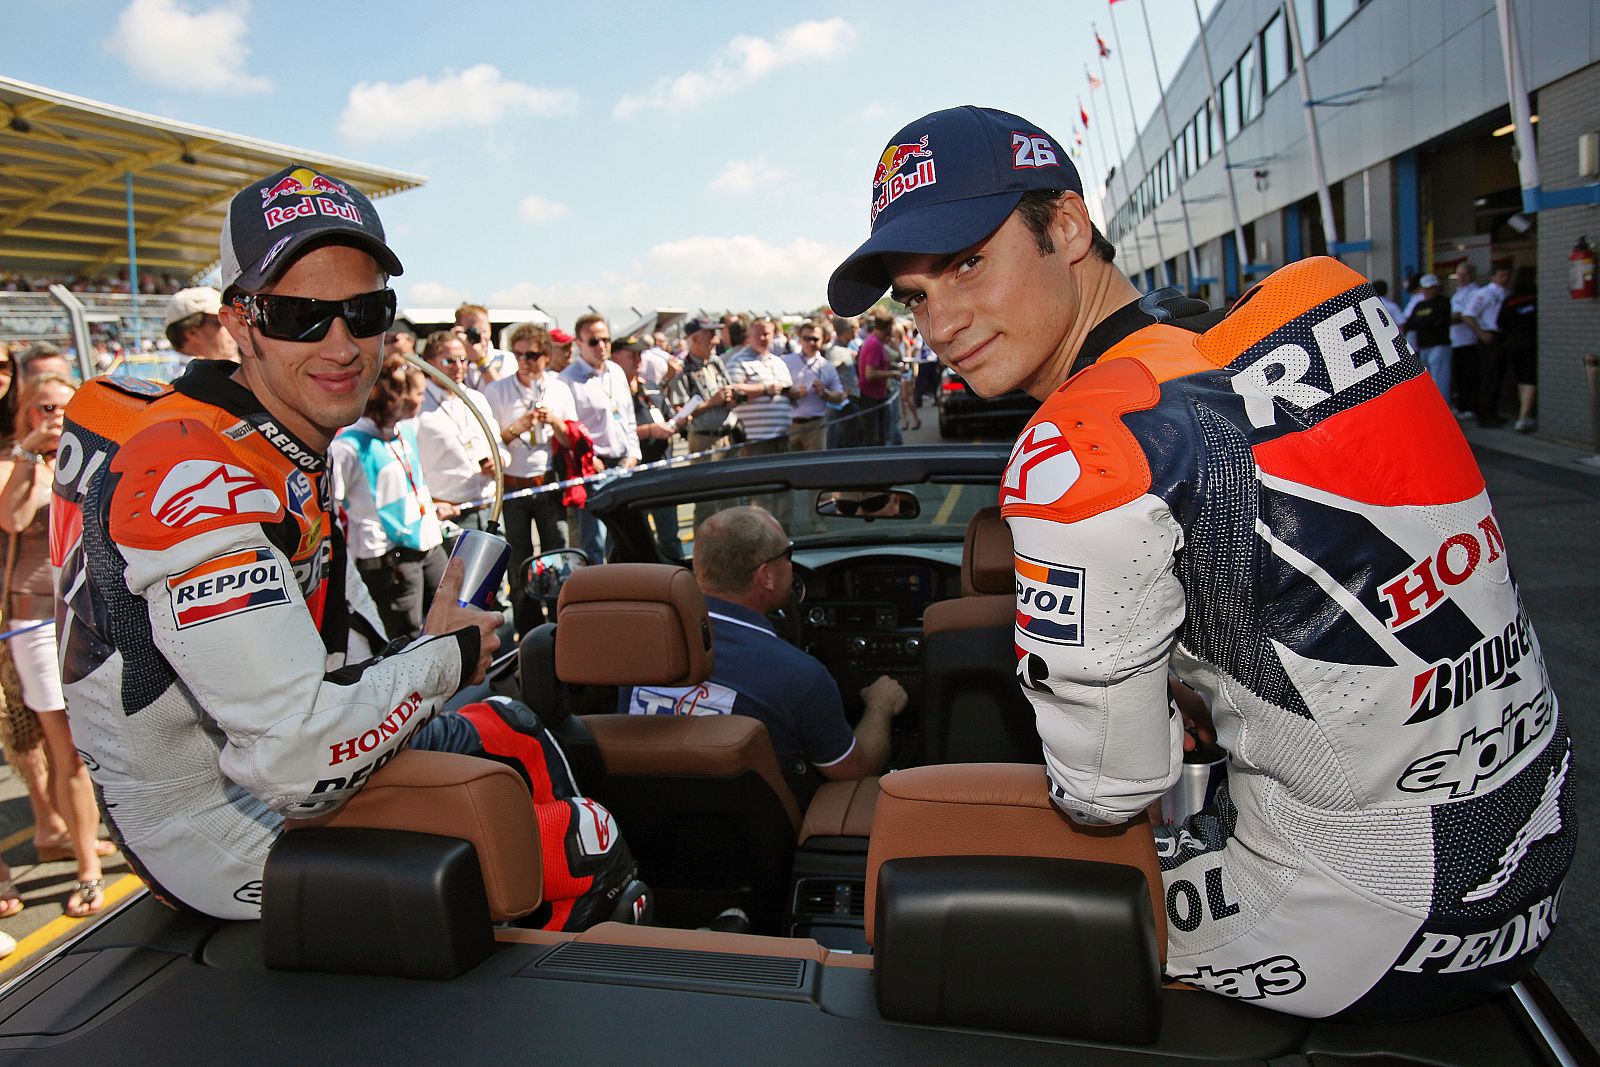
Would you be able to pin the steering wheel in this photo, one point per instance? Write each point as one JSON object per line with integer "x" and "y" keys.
{"x": 789, "y": 620}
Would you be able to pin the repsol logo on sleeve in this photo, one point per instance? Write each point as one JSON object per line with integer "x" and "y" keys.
{"x": 227, "y": 585}
{"x": 1346, "y": 345}
{"x": 1049, "y": 601}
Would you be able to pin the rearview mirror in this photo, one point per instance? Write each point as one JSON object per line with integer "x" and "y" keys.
{"x": 868, "y": 504}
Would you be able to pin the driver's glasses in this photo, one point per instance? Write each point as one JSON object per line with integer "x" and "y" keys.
{"x": 300, "y": 318}
{"x": 787, "y": 553}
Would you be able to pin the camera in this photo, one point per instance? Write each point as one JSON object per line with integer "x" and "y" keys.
{"x": 473, "y": 336}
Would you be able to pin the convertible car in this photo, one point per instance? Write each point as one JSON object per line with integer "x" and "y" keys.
{"x": 943, "y": 913}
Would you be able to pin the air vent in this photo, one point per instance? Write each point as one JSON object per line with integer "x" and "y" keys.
{"x": 816, "y": 897}
{"x": 675, "y": 965}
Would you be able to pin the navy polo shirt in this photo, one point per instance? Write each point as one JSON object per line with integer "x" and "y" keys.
{"x": 761, "y": 675}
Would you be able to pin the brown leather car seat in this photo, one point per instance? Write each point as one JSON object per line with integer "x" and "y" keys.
{"x": 700, "y": 799}
{"x": 973, "y": 710}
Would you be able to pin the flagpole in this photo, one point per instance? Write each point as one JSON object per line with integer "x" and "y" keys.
{"x": 1324, "y": 198}
{"x": 1242, "y": 253}
{"x": 1166, "y": 120}
{"x": 1138, "y": 144}
{"x": 1095, "y": 168}
{"x": 1116, "y": 140}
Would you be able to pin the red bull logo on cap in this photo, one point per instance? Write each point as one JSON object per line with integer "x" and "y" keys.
{"x": 302, "y": 181}
{"x": 891, "y": 180}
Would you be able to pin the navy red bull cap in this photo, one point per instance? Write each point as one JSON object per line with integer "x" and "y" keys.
{"x": 944, "y": 183}
{"x": 270, "y": 220}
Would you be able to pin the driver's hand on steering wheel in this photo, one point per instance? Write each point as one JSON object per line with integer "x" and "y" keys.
{"x": 886, "y": 692}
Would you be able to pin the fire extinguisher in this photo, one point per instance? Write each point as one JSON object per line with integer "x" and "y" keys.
{"x": 1581, "y": 264}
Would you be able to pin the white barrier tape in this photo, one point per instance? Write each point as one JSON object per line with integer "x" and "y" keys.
{"x": 612, "y": 473}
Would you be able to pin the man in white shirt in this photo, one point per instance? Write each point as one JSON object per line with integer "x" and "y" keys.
{"x": 488, "y": 363}
{"x": 1482, "y": 317}
{"x": 605, "y": 407}
{"x": 656, "y": 364}
{"x": 762, "y": 379}
{"x": 456, "y": 456}
{"x": 532, "y": 408}
{"x": 817, "y": 383}
{"x": 1463, "y": 343}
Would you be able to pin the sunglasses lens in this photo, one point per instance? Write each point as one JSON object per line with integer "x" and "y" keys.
{"x": 298, "y": 318}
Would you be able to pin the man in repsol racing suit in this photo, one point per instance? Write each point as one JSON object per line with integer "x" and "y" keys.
{"x": 1275, "y": 505}
{"x": 224, "y": 666}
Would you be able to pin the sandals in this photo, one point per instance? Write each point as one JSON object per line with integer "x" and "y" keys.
{"x": 57, "y": 853}
{"x": 10, "y": 899}
{"x": 90, "y": 896}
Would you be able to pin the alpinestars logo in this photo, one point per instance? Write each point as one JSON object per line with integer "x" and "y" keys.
{"x": 1041, "y": 469}
{"x": 1482, "y": 757}
{"x": 1277, "y": 976}
{"x": 196, "y": 490}
{"x": 596, "y": 831}
{"x": 1544, "y": 822}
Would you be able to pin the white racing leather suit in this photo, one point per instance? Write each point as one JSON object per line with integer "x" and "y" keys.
{"x": 223, "y": 663}
{"x": 1282, "y": 511}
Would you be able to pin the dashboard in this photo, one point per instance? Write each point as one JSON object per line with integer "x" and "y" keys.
{"x": 860, "y": 612}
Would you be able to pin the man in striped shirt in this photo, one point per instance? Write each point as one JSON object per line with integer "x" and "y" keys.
{"x": 761, "y": 379}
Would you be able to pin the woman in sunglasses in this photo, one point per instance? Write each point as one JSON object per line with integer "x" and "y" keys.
{"x": 30, "y": 599}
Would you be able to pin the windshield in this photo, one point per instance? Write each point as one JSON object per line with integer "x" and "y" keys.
{"x": 944, "y": 511}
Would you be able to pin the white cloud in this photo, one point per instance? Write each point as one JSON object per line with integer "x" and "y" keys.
{"x": 748, "y": 175}
{"x": 477, "y": 96}
{"x": 700, "y": 271}
{"x": 426, "y": 294}
{"x": 537, "y": 209}
{"x": 743, "y": 61}
{"x": 204, "y": 50}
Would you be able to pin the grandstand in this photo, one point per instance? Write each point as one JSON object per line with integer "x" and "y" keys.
{"x": 121, "y": 207}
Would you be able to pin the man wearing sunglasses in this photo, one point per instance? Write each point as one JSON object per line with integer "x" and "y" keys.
{"x": 223, "y": 663}
{"x": 605, "y": 408}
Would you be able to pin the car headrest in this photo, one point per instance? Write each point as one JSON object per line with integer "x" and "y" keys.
{"x": 987, "y": 557}
{"x": 633, "y": 624}
{"x": 536, "y": 674}
{"x": 997, "y": 809}
{"x": 709, "y": 746}
{"x": 450, "y": 795}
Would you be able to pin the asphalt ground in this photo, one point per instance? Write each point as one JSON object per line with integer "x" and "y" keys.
{"x": 1547, "y": 498}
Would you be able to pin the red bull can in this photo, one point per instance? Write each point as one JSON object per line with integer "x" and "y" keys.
{"x": 484, "y": 556}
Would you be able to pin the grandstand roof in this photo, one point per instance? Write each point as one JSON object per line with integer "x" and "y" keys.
{"x": 63, "y": 167}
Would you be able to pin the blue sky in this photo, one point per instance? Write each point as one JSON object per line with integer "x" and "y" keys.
{"x": 616, "y": 154}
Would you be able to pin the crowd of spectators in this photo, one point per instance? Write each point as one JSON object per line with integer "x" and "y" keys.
{"x": 150, "y": 283}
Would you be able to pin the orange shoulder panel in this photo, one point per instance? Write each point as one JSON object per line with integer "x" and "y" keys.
{"x": 181, "y": 478}
{"x": 1284, "y": 295}
{"x": 1077, "y": 458}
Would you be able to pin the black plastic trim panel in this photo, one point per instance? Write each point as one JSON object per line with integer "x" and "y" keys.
{"x": 669, "y": 968}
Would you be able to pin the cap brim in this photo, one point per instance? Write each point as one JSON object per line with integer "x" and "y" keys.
{"x": 280, "y": 258}
{"x": 935, "y": 230}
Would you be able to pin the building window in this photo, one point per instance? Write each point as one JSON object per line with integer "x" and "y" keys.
{"x": 1249, "y": 88}
{"x": 1336, "y": 13}
{"x": 1276, "y": 61}
{"x": 1230, "y": 103}
{"x": 1308, "y": 13}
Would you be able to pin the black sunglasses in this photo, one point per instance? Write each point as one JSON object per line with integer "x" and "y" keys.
{"x": 299, "y": 318}
{"x": 596, "y": 342}
{"x": 865, "y": 506}
{"x": 788, "y": 552}
{"x": 532, "y": 353}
